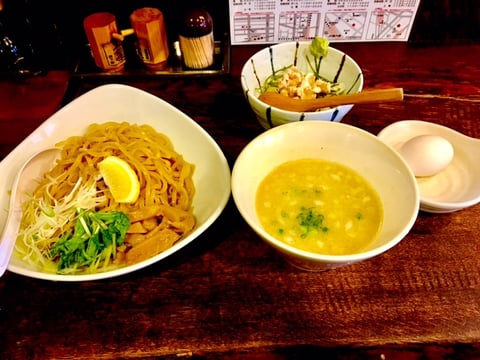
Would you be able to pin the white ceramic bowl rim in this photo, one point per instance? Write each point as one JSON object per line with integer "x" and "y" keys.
{"x": 432, "y": 204}
{"x": 288, "y": 249}
{"x": 252, "y": 97}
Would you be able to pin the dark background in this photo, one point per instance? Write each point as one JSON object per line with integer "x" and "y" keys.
{"x": 51, "y": 31}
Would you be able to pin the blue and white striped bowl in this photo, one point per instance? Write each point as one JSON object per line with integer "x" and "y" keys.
{"x": 335, "y": 65}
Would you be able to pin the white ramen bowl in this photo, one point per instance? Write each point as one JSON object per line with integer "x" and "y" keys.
{"x": 124, "y": 103}
{"x": 335, "y": 65}
{"x": 357, "y": 149}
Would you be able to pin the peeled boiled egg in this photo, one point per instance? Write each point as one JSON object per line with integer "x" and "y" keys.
{"x": 427, "y": 155}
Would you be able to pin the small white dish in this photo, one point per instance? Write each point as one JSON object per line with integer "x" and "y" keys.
{"x": 457, "y": 186}
{"x": 120, "y": 103}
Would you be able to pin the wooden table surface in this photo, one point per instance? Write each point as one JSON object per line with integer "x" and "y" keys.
{"x": 228, "y": 295}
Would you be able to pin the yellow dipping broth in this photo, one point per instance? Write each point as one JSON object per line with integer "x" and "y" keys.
{"x": 319, "y": 206}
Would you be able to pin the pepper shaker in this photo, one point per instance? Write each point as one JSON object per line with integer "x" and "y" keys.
{"x": 196, "y": 39}
{"x": 105, "y": 42}
{"x": 152, "y": 45}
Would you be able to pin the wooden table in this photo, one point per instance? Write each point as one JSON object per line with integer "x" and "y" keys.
{"x": 228, "y": 295}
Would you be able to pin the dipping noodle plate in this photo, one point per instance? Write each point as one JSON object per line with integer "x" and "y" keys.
{"x": 125, "y": 104}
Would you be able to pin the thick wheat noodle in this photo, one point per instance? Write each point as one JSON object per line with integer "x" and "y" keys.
{"x": 165, "y": 177}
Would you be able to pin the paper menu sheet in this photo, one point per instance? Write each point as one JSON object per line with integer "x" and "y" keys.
{"x": 272, "y": 21}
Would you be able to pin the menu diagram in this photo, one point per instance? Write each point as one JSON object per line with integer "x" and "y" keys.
{"x": 272, "y": 21}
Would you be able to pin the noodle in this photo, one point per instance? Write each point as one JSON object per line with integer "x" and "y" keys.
{"x": 163, "y": 211}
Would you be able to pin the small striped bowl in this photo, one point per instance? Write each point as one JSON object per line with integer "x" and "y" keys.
{"x": 335, "y": 66}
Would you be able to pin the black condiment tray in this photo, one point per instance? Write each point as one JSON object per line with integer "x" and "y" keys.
{"x": 86, "y": 67}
